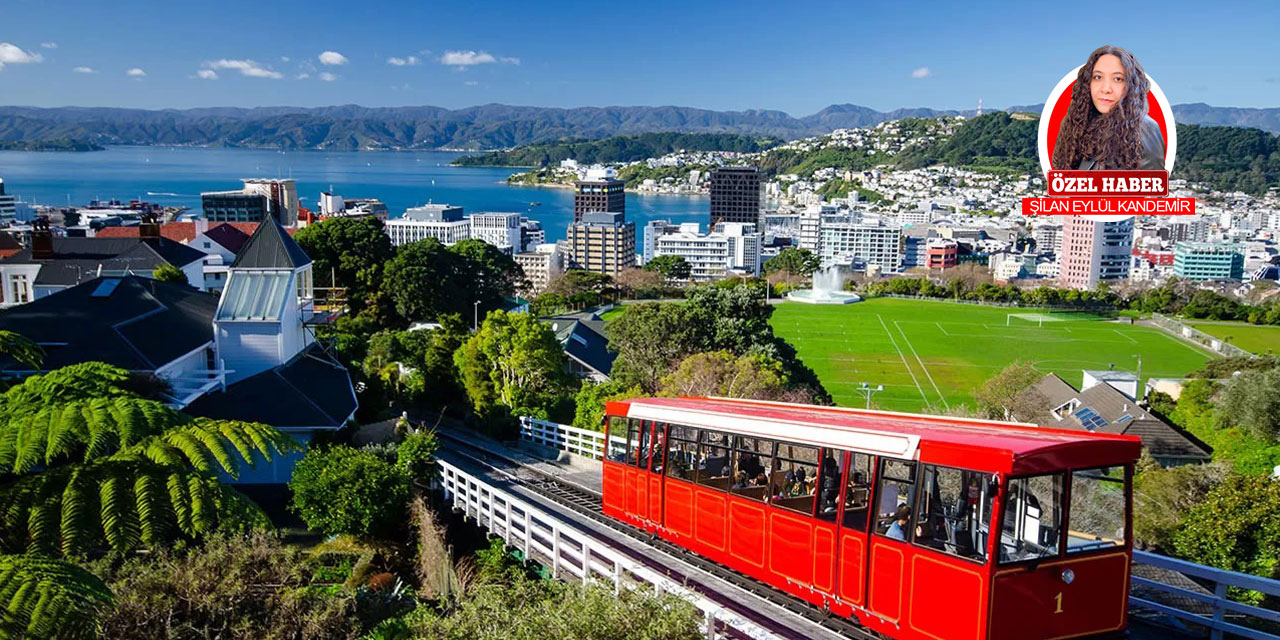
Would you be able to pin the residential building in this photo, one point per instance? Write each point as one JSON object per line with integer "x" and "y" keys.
{"x": 248, "y": 354}
{"x": 735, "y": 195}
{"x": 53, "y": 263}
{"x": 1189, "y": 231}
{"x": 585, "y": 345}
{"x": 502, "y": 230}
{"x": 258, "y": 197}
{"x": 440, "y": 221}
{"x": 220, "y": 243}
{"x": 542, "y": 265}
{"x": 652, "y": 231}
{"x": 603, "y": 242}
{"x": 1094, "y": 251}
{"x": 1208, "y": 261}
{"x": 941, "y": 253}
{"x": 872, "y": 247}
{"x": 730, "y": 247}
{"x": 8, "y": 205}
{"x": 1048, "y": 238}
{"x": 1105, "y": 404}
{"x": 600, "y": 190}
{"x": 810, "y": 224}
{"x": 531, "y": 234}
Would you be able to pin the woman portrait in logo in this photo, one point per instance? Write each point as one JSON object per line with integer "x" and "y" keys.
{"x": 1107, "y": 126}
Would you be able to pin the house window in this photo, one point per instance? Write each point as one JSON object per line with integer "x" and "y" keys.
{"x": 19, "y": 292}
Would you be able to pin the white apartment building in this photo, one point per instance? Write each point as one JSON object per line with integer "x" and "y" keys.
{"x": 915, "y": 218}
{"x": 732, "y": 246}
{"x": 501, "y": 230}
{"x": 810, "y": 224}
{"x": 440, "y": 221}
{"x": 652, "y": 231}
{"x": 542, "y": 265}
{"x": 876, "y": 246}
{"x": 1048, "y": 238}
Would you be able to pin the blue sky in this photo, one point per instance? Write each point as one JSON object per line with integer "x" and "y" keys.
{"x": 794, "y": 56}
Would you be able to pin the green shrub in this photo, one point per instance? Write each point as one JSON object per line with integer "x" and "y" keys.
{"x": 343, "y": 490}
{"x": 417, "y": 454}
{"x": 1236, "y": 527}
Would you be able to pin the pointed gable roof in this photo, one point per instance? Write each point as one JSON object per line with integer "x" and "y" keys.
{"x": 270, "y": 247}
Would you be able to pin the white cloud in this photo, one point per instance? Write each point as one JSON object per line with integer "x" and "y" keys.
{"x": 509, "y": 60}
{"x": 84, "y": 70}
{"x": 922, "y": 72}
{"x": 466, "y": 58}
{"x": 136, "y": 73}
{"x": 12, "y": 54}
{"x": 404, "y": 62}
{"x": 284, "y": 58}
{"x": 49, "y": 45}
{"x": 245, "y": 67}
{"x": 332, "y": 58}
{"x": 471, "y": 83}
{"x": 327, "y": 77}
{"x": 303, "y": 76}
{"x": 207, "y": 74}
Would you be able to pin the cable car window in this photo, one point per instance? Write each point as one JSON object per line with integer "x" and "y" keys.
{"x": 617, "y": 439}
{"x": 1097, "y": 514}
{"x": 895, "y": 495}
{"x": 751, "y": 467}
{"x": 713, "y": 460}
{"x": 857, "y": 492}
{"x": 954, "y": 513}
{"x": 659, "y": 447}
{"x": 682, "y": 452}
{"x": 829, "y": 484}
{"x": 1032, "y": 518}
{"x": 642, "y": 449}
{"x": 793, "y": 482}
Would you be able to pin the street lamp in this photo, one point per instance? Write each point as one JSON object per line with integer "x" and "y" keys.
{"x": 868, "y": 389}
{"x": 475, "y": 316}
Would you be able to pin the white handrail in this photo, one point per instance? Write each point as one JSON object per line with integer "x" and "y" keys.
{"x": 571, "y": 554}
{"x": 1222, "y": 579}
{"x": 582, "y": 442}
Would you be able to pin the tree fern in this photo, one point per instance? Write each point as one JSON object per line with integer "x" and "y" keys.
{"x": 42, "y": 597}
{"x": 21, "y": 349}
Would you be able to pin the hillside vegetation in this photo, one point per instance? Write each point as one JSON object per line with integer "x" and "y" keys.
{"x": 618, "y": 149}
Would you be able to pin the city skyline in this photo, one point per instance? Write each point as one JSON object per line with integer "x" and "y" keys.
{"x": 755, "y": 56}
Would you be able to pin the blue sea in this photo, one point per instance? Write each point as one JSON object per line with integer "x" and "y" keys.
{"x": 175, "y": 176}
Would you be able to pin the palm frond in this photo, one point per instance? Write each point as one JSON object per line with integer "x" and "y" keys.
{"x": 42, "y": 597}
{"x": 81, "y": 430}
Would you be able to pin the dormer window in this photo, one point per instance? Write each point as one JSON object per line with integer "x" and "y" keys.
{"x": 254, "y": 296}
{"x": 1065, "y": 409}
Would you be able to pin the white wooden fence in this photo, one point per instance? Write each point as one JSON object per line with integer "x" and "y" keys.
{"x": 583, "y": 442}
{"x": 573, "y": 555}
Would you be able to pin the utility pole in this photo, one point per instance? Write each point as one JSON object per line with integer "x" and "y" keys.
{"x": 475, "y": 316}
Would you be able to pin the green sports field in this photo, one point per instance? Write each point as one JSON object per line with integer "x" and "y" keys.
{"x": 934, "y": 354}
{"x": 1256, "y": 339}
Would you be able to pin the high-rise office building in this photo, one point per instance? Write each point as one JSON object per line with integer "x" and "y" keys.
{"x": 599, "y": 191}
{"x": 258, "y": 197}
{"x": 603, "y": 242}
{"x": 1094, "y": 251}
{"x": 1208, "y": 261}
{"x": 502, "y": 230}
{"x": 440, "y": 221}
{"x": 8, "y": 205}
{"x": 731, "y": 246}
{"x": 735, "y": 195}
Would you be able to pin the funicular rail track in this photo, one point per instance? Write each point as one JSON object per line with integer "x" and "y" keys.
{"x": 588, "y": 505}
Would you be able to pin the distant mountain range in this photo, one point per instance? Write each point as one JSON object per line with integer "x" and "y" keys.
{"x": 491, "y": 126}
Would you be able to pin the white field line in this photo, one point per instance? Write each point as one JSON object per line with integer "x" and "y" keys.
{"x": 922, "y": 365}
{"x": 1126, "y": 337}
{"x": 1186, "y": 344}
{"x": 943, "y": 329}
{"x": 904, "y": 359}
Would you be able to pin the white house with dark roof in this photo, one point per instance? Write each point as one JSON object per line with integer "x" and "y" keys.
{"x": 248, "y": 354}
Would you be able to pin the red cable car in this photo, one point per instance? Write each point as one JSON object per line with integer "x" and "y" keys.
{"x": 919, "y": 527}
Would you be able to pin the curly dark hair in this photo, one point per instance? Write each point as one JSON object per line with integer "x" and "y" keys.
{"x": 1111, "y": 139}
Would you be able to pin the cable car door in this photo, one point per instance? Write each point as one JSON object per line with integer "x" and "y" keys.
{"x": 657, "y": 458}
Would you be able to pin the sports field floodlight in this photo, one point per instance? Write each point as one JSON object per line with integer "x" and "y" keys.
{"x": 868, "y": 389}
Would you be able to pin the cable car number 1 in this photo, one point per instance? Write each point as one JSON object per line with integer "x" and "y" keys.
{"x": 1058, "y": 599}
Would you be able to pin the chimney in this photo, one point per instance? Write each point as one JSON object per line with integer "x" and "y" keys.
{"x": 41, "y": 239}
{"x": 202, "y": 225}
{"x": 150, "y": 227}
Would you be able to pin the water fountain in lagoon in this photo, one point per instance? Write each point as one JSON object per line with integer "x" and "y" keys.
{"x": 828, "y": 288}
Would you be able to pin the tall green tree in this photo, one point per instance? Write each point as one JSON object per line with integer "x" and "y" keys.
{"x": 1252, "y": 400}
{"x": 671, "y": 267}
{"x": 422, "y": 281}
{"x": 650, "y": 339}
{"x": 1005, "y": 396}
{"x": 1236, "y": 527}
{"x": 349, "y": 253}
{"x": 488, "y": 273}
{"x": 514, "y": 361}
{"x": 720, "y": 373}
{"x": 794, "y": 261}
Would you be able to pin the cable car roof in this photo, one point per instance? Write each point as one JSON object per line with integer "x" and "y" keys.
{"x": 984, "y": 445}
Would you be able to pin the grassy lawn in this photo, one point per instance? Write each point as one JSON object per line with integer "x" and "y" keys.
{"x": 1256, "y": 339}
{"x": 934, "y": 354}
